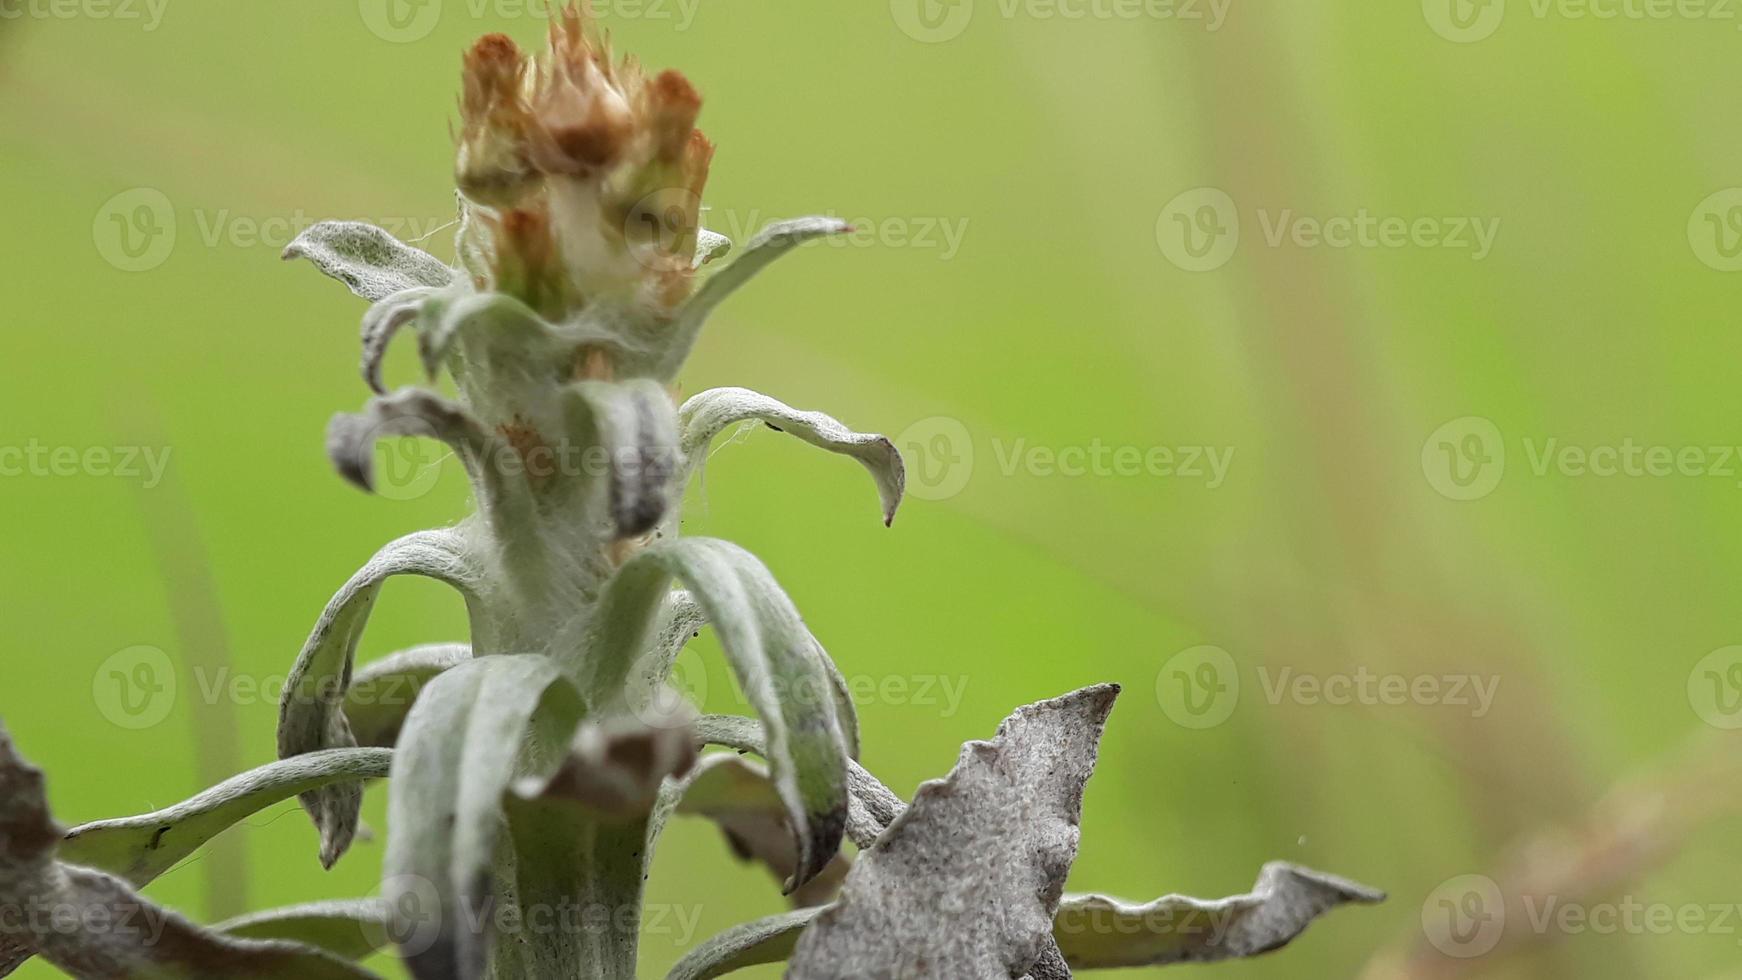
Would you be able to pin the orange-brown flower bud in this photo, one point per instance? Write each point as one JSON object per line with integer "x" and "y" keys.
{"x": 672, "y": 107}
{"x": 492, "y": 167}
{"x": 582, "y": 119}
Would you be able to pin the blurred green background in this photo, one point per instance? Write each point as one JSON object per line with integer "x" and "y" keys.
{"x": 156, "y": 159}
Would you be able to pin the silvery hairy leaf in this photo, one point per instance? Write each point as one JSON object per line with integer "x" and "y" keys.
{"x": 351, "y": 929}
{"x": 635, "y": 425}
{"x": 461, "y": 747}
{"x": 310, "y": 712}
{"x": 504, "y": 498}
{"x": 580, "y": 841}
{"x": 92, "y": 924}
{"x": 767, "y": 245}
{"x": 965, "y": 883}
{"x": 1098, "y": 932}
{"x": 773, "y": 656}
{"x": 383, "y": 321}
{"x": 710, "y": 246}
{"x": 382, "y": 693}
{"x": 704, "y": 416}
{"x": 373, "y": 263}
{"x": 493, "y": 333}
{"x": 138, "y": 849}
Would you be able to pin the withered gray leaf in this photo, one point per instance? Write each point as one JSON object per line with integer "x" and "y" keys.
{"x": 373, "y": 263}
{"x": 964, "y": 884}
{"x": 704, "y": 416}
{"x": 91, "y": 924}
{"x": 1098, "y": 932}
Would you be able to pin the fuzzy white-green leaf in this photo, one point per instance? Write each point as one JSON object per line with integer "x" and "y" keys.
{"x": 635, "y": 426}
{"x": 140, "y": 848}
{"x": 382, "y": 693}
{"x": 767, "y": 245}
{"x": 373, "y": 263}
{"x": 704, "y": 416}
{"x": 461, "y": 747}
{"x": 310, "y": 712}
{"x": 770, "y": 651}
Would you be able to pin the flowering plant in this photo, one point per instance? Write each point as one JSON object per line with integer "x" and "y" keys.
{"x": 530, "y": 777}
